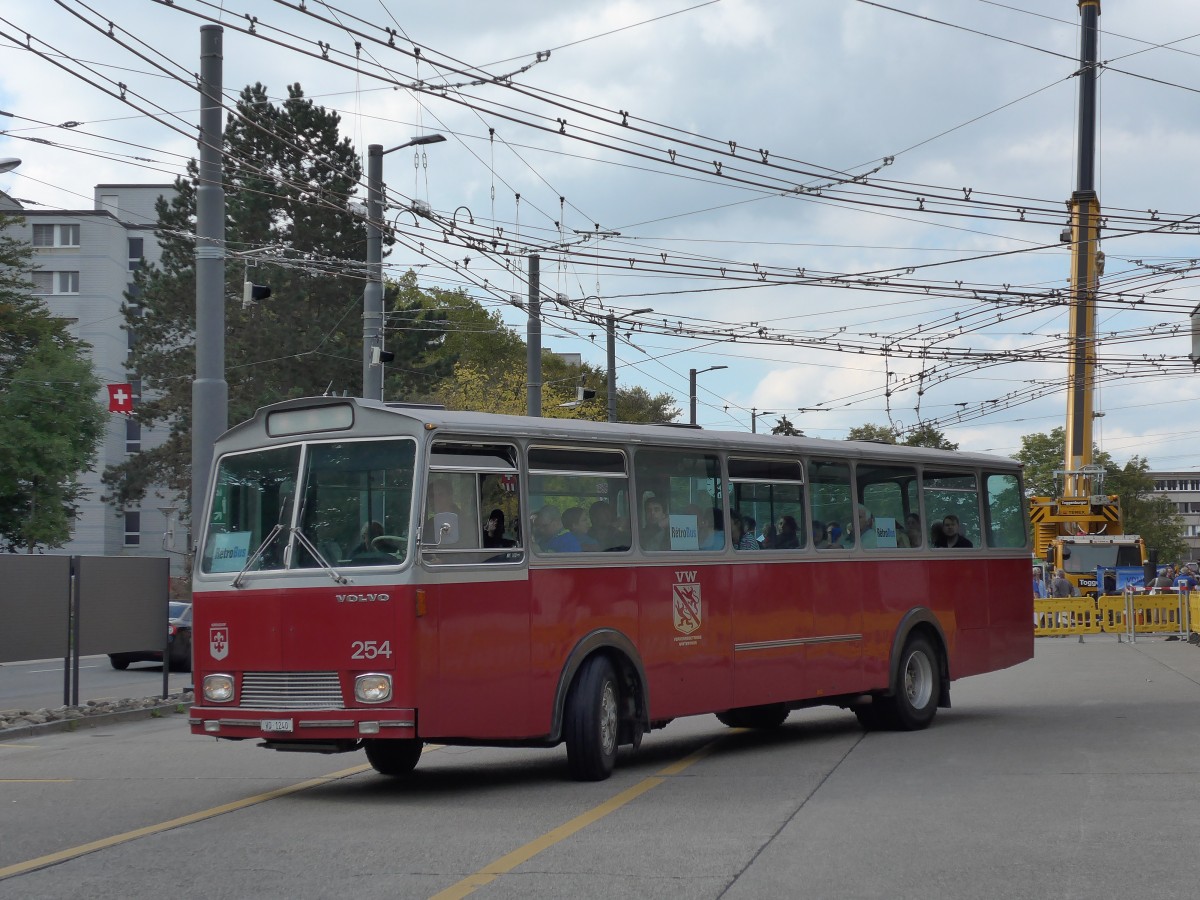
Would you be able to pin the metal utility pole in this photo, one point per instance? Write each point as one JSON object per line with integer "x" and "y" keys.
{"x": 210, "y": 393}
{"x": 372, "y": 358}
{"x": 1085, "y": 245}
{"x": 754, "y": 414}
{"x": 611, "y": 321}
{"x": 692, "y": 373}
{"x": 533, "y": 340}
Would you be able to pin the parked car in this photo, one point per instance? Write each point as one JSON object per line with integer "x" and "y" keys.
{"x": 179, "y": 631}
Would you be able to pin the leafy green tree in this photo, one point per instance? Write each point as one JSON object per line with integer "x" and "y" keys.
{"x": 287, "y": 177}
{"x": 784, "y": 426}
{"x": 924, "y": 435}
{"x": 50, "y": 422}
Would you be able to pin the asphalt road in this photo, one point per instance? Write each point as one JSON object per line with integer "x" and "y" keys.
{"x": 38, "y": 684}
{"x": 1073, "y": 775}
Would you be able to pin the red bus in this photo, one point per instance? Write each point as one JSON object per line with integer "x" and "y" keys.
{"x": 379, "y": 576}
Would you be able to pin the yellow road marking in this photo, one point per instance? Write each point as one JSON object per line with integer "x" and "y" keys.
{"x": 36, "y": 780}
{"x": 104, "y": 843}
{"x": 510, "y": 861}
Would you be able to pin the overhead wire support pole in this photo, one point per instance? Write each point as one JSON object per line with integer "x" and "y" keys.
{"x": 1085, "y": 241}
{"x": 210, "y": 392}
{"x": 611, "y": 326}
{"x": 533, "y": 340}
{"x": 372, "y": 379}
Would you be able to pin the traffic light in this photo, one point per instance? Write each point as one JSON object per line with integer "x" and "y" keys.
{"x": 252, "y": 293}
{"x": 381, "y": 356}
{"x": 582, "y": 393}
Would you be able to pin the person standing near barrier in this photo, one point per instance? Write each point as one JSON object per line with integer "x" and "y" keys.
{"x": 1061, "y": 587}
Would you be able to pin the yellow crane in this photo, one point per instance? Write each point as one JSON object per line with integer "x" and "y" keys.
{"x": 1081, "y": 528}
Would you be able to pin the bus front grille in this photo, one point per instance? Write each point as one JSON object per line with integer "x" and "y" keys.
{"x": 291, "y": 690}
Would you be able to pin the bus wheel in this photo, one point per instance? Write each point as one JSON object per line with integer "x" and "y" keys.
{"x": 592, "y": 721}
{"x": 914, "y": 702}
{"x": 770, "y": 716}
{"x": 395, "y": 756}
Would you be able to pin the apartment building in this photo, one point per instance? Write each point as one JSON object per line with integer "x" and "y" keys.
{"x": 84, "y": 260}
{"x": 1183, "y": 489}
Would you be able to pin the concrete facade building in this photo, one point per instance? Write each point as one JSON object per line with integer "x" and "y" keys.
{"x": 1182, "y": 488}
{"x": 83, "y": 262}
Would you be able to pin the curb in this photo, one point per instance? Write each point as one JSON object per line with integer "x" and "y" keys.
{"x": 163, "y": 710}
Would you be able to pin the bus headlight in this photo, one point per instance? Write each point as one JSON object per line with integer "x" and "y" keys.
{"x": 218, "y": 688}
{"x": 373, "y": 688}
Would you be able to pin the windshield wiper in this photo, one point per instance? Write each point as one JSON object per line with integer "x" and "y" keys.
{"x": 274, "y": 533}
{"x": 308, "y": 545}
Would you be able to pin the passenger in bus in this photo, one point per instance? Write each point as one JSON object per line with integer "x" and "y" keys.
{"x": 549, "y": 534}
{"x": 743, "y": 537}
{"x": 767, "y": 539}
{"x": 820, "y": 535}
{"x": 606, "y": 530}
{"x": 912, "y": 531}
{"x": 748, "y": 535}
{"x": 951, "y": 535}
{"x": 493, "y": 531}
{"x": 937, "y": 536}
{"x": 370, "y": 531}
{"x": 439, "y": 506}
{"x": 789, "y": 534}
{"x": 866, "y": 525}
{"x": 575, "y": 520}
{"x": 655, "y": 532}
{"x": 834, "y": 532}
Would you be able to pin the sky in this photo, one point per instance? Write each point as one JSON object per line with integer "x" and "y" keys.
{"x": 854, "y": 207}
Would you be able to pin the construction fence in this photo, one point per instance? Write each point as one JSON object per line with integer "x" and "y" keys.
{"x": 1130, "y": 613}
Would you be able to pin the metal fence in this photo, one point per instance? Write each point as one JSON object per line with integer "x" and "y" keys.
{"x": 68, "y": 606}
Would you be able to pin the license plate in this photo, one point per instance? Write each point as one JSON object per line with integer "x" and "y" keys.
{"x": 276, "y": 725}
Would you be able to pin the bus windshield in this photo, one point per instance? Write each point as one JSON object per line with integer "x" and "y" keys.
{"x": 355, "y": 505}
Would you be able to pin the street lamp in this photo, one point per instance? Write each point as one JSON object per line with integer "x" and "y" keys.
{"x": 754, "y": 418}
{"x": 692, "y": 373}
{"x": 612, "y": 321}
{"x": 373, "y": 293}
{"x": 8, "y": 163}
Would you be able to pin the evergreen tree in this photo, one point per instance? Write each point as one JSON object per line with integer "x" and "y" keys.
{"x": 287, "y": 178}
{"x": 50, "y": 422}
{"x": 784, "y": 426}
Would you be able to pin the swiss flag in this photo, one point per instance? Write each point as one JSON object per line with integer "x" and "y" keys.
{"x": 120, "y": 398}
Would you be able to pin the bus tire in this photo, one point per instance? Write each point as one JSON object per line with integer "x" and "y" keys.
{"x": 914, "y": 699}
{"x": 393, "y": 756}
{"x": 772, "y": 715}
{"x": 592, "y": 721}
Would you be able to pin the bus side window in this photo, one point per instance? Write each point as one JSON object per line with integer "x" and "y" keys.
{"x": 1006, "y": 512}
{"x": 952, "y": 496}
{"x": 683, "y": 501}
{"x": 832, "y": 502}
{"x": 768, "y": 494}
{"x": 578, "y": 500}
{"x": 889, "y": 494}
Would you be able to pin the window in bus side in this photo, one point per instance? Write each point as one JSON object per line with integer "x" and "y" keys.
{"x": 357, "y": 503}
{"x": 951, "y": 493}
{"x": 1006, "y": 510}
{"x": 680, "y": 500}
{"x": 580, "y": 500}
{"x": 472, "y": 511}
{"x": 769, "y": 492}
{"x": 888, "y": 494}
{"x": 832, "y": 502}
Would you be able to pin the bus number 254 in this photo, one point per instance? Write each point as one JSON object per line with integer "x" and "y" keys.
{"x": 370, "y": 649}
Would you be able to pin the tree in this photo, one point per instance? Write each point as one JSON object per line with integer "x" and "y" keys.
{"x": 50, "y": 422}
{"x": 924, "y": 435}
{"x": 287, "y": 178}
{"x": 784, "y": 426}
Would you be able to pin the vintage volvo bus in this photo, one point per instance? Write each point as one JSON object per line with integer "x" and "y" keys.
{"x": 379, "y": 576}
